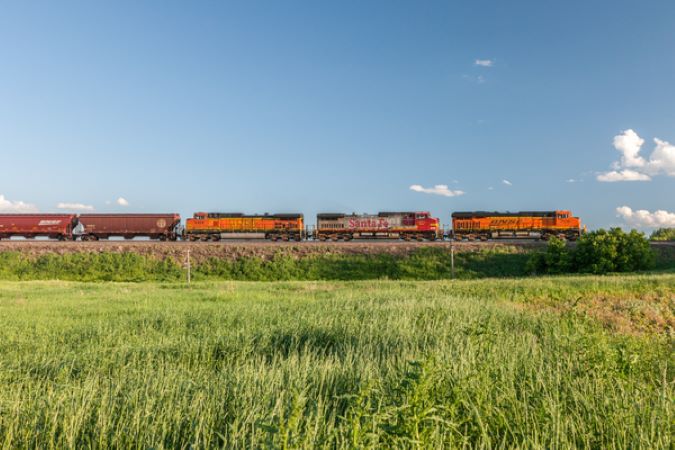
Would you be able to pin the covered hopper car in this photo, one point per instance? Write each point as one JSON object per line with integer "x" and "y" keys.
{"x": 215, "y": 226}
{"x": 387, "y": 225}
{"x": 53, "y": 226}
{"x": 154, "y": 226}
{"x": 485, "y": 225}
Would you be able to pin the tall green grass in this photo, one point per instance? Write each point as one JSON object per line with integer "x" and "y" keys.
{"x": 330, "y": 365}
{"x": 424, "y": 264}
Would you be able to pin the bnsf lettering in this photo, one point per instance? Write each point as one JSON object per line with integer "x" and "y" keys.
{"x": 369, "y": 223}
{"x": 503, "y": 221}
{"x": 47, "y": 223}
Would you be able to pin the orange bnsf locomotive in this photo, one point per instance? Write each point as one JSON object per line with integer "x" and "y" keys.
{"x": 486, "y": 225}
{"x": 214, "y": 226}
{"x": 396, "y": 225}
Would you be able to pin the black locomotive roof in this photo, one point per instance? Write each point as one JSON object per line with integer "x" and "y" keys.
{"x": 380, "y": 214}
{"x": 395, "y": 213}
{"x": 469, "y": 214}
{"x": 220, "y": 215}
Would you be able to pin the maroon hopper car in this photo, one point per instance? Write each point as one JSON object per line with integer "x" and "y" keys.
{"x": 54, "y": 226}
{"x": 154, "y": 226}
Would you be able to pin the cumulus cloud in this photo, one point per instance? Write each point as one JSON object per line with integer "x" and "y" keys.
{"x": 507, "y": 182}
{"x": 634, "y": 167}
{"x": 122, "y": 201}
{"x": 623, "y": 175}
{"x": 9, "y": 206}
{"x": 75, "y": 206}
{"x": 644, "y": 218}
{"x": 484, "y": 62}
{"x": 662, "y": 159}
{"x": 629, "y": 144}
{"x": 439, "y": 189}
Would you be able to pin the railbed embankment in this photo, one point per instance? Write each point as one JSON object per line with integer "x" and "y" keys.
{"x": 233, "y": 250}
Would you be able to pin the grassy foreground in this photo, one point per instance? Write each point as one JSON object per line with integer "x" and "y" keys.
{"x": 546, "y": 363}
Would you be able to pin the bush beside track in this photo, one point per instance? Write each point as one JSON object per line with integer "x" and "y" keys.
{"x": 234, "y": 250}
{"x": 421, "y": 264}
{"x": 265, "y": 262}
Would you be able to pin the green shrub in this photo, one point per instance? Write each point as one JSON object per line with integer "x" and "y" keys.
{"x": 663, "y": 234}
{"x": 604, "y": 251}
{"x": 597, "y": 252}
{"x": 88, "y": 267}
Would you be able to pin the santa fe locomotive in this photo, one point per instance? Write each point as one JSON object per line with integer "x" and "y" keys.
{"x": 214, "y": 226}
{"x": 396, "y": 225}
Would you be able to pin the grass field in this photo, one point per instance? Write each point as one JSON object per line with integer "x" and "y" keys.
{"x": 543, "y": 363}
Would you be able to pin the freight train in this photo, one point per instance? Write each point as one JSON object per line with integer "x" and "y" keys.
{"x": 214, "y": 226}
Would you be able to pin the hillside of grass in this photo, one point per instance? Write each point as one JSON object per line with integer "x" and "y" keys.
{"x": 551, "y": 362}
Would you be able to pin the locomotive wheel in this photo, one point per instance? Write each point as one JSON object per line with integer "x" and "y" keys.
{"x": 215, "y": 238}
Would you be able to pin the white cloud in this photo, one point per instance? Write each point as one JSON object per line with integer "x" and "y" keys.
{"x": 75, "y": 206}
{"x": 644, "y": 218}
{"x": 573, "y": 180}
{"x": 122, "y": 201}
{"x": 507, "y": 182}
{"x": 632, "y": 166}
{"x": 439, "y": 189}
{"x": 623, "y": 175}
{"x": 484, "y": 62}
{"x": 480, "y": 79}
{"x": 662, "y": 159}
{"x": 629, "y": 144}
{"x": 8, "y": 206}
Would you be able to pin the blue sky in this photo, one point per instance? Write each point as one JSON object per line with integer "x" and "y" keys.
{"x": 316, "y": 106}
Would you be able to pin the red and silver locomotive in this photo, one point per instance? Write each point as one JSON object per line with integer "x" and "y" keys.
{"x": 386, "y": 225}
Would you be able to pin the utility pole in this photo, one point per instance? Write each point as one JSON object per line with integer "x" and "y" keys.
{"x": 452, "y": 259}
{"x": 188, "y": 267}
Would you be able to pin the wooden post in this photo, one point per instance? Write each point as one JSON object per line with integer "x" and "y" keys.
{"x": 189, "y": 268}
{"x": 452, "y": 260}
